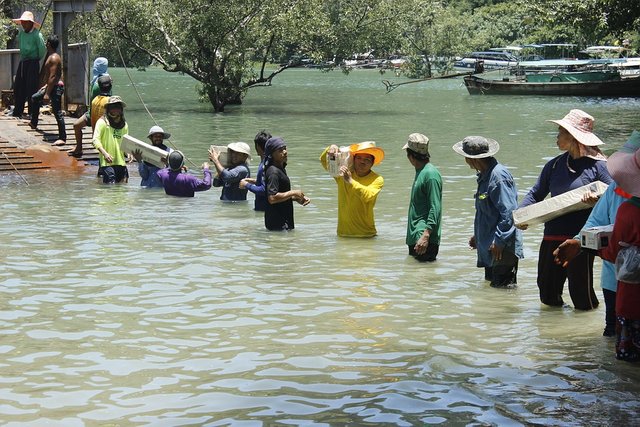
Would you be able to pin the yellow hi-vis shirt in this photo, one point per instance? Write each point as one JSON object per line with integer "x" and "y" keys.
{"x": 110, "y": 139}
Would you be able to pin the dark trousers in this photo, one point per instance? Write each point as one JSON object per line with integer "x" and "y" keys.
{"x": 610, "y": 310}
{"x": 113, "y": 174}
{"x": 504, "y": 272}
{"x": 429, "y": 255}
{"x": 25, "y": 85}
{"x": 56, "y": 106}
{"x": 551, "y": 278}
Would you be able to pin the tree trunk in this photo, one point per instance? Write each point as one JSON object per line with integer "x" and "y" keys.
{"x": 216, "y": 101}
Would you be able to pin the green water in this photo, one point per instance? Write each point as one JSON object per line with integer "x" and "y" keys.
{"x": 122, "y": 306}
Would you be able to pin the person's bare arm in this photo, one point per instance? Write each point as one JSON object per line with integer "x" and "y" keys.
{"x": 52, "y": 66}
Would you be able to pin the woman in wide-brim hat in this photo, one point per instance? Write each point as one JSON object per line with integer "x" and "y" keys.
{"x": 27, "y": 16}
{"x": 581, "y": 163}
{"x": 624, "y": 167}
{"x": 358, "y": 188}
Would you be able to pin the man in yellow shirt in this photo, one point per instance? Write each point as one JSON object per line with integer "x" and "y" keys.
{"x": 107, "y": 137}
{"x": 358, "y": 188}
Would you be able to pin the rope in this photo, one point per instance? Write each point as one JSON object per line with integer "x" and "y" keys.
{"x": 15, "y": 168}
{"x": 142, "y": 101}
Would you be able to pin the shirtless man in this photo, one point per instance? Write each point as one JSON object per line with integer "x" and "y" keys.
{"x": 51, "y": 90}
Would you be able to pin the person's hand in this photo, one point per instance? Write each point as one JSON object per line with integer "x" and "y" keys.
{"x": 421, "y": 245}
{"x": 472, "y": 242}
{"x": 346, "y": 174}
{"x": 304, "y": 201}
{"x": 45, "y": 98}
{"x": 205, "y": 165}
{"x": 566, "y": 252}
{"x": 163, "y": 159}
{"x": 137, "y": 154}
{"x": 213, "y": 155}
{"x": 522, "y": 226}
{"x": 107, "y": 157}
{"x": 590, "y": 198}
{"x": 496, "y": 252}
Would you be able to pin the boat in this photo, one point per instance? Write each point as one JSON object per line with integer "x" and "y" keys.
{"x": 491, "y": 60}
{"x": 607, "y": 83}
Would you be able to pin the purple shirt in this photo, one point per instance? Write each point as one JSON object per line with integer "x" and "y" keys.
{"x": 180, "y": 184}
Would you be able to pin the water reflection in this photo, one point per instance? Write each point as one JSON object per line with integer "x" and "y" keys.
{"x": 120, "y": 305}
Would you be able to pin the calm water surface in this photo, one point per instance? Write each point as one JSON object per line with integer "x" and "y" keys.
{"x": 121, "y": 306}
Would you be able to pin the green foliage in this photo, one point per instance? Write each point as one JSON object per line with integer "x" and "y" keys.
{"x": 229, "y": 46}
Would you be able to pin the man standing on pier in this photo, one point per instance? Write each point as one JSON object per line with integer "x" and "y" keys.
{"x": 52, "y": 89}
{"x": 32, "y": 50}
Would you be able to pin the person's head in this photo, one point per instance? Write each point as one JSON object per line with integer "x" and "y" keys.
{"x": 417, "y": 148}
{"x": 624, "y": 165}
{"x": 114, "y": 109}
{"x": 365, "y": 155}
{"x": 238, "y": 153}
{"x": 53, "y": 42}
{"x": 576, "y": 128}
{"x": 275, "y": 151}
{"x": 260, "y": 140}
{"x": 157, "y": 135}
{"x": 100, "y": 65}
{"x": 175, "y": 160}
{"x": 105, "y": 83}
{"x": 27, "y": 21}
{"x": 477, "y": 150}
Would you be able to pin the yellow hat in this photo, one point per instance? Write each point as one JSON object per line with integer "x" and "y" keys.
{"x": 368, "y": 147}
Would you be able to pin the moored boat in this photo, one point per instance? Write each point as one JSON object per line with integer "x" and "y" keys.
{"x": 586, "y": 85}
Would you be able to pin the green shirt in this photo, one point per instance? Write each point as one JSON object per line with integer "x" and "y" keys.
{"x": 425, "y": 207}
{"x": 31, "y": 44}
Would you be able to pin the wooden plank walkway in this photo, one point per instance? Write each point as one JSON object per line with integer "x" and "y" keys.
{"x": 12, "y": 157}
{"x": 48, "y": 131}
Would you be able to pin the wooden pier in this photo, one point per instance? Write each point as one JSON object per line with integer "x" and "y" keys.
{"x": 17, "y": 137}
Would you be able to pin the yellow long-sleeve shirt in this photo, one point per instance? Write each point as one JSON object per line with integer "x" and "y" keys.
{"x": 355, "y": 203}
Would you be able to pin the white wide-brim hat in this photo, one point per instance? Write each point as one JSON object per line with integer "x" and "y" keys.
{"x": 240, "y": 147}
{"x": 158, "y": 129}
{"x": 580, "y": 125}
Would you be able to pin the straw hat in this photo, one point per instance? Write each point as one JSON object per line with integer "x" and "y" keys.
{"x": 476, "y": 147}
{"x": 240, "y": 147}
{"x": 368, "y": 147}
{"x": 27, "y": 16}
{"x": 624, "y": 165}
{"x": 158, "y": 129}
{"x": 580, "y": 125}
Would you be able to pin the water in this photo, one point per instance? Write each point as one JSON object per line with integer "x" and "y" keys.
{"x": 121, "y": 306}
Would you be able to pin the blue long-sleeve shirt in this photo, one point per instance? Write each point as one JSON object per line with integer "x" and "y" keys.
{"x": 495, "y": 201}
{"x": 258, "y": 189}
{"x": 149, "y": 173}
{"x": 562, "y": 174}
{"x": 604, "y": 213}
{"x": 229, "y": 180}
